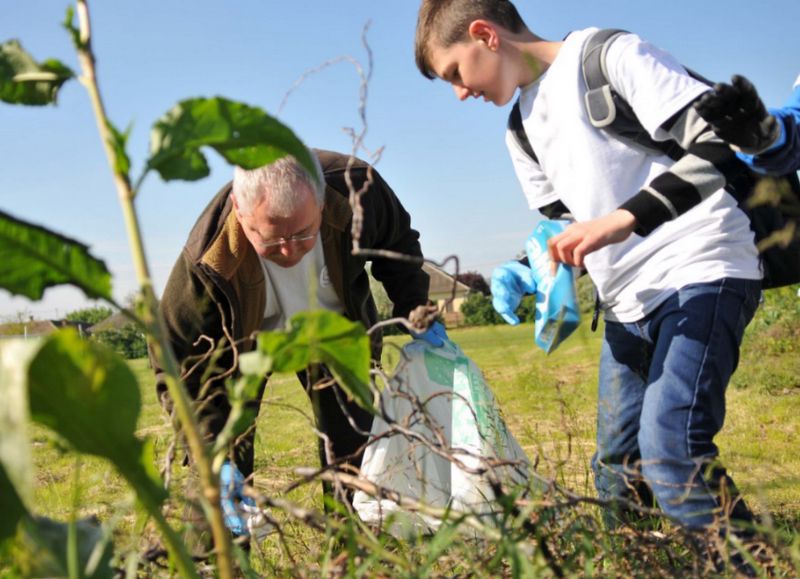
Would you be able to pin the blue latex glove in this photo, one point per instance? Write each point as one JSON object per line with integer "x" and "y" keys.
{"x": 231, "y": 482}
{"x": 557, "y": 313}
{"x": 510, "y": 282}
{"x": 435, "y": 335}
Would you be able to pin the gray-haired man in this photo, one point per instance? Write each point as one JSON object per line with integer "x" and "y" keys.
{"x": 247, "y": 266}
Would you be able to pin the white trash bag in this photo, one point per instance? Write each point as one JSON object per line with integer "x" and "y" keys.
{"x": 461, "y": 415}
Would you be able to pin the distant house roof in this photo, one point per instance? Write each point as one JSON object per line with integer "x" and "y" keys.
{"x": 34, "y": 328}
{"x": 442, "y": 283}
{"x": 112, "y": 322}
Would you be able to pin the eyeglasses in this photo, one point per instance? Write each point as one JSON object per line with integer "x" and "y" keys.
{"x": 287, "y": 240}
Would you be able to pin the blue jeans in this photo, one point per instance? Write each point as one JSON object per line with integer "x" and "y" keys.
{"x": 662, "y": 401}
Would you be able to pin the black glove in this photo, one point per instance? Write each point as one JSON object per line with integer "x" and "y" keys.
{"x": 737, "y": 115}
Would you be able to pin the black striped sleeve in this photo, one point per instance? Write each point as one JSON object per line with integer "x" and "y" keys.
{"x": 707, "y": 166}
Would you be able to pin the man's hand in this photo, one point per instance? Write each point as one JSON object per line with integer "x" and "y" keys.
{"x": 435, "y": 335}
{"x": 510, "y": 282}
{"x": 737, "y": 115}
{"x": 580, "y": 239}
{"x": 232, "y": 497}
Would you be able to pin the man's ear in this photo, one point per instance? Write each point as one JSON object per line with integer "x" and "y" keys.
{"x": 236, "y": 207}
{"x": 484, "y": 31}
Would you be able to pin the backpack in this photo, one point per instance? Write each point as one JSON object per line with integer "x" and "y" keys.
{"x": 608, "y": 111}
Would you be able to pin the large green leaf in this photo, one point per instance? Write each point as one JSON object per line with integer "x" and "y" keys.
{"x": 243, "y": 135}
{"x": 88, "y": 395}
{"x": 321, "y": 337}
{"x": 23, "y": 81}
{"x": 33, "y": 258}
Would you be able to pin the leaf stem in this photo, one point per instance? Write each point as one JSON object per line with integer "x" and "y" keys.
{"x": 155, "y": 324}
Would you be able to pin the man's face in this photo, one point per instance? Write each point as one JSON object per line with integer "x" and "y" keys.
{"x": 474, "y": 69}
{"x": 282, "y": 240}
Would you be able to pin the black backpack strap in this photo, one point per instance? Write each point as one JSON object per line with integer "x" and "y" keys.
{"x": 516, "y": 128}
{"x": 556, "y": 209}
{"x": 599, "y": 99}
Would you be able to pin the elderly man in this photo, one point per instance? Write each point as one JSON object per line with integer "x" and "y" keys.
{"x": 248, "y": 265}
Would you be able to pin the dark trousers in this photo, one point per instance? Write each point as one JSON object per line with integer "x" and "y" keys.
{"x": 346, "y": 424}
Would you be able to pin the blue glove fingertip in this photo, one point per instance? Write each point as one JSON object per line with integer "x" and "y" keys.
{"x": 511, "y": 319}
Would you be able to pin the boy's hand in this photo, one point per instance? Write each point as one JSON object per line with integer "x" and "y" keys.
{"x": 737, "y": 115}
{"x": 510, "y": 282}
{"x": 580, "y": 239}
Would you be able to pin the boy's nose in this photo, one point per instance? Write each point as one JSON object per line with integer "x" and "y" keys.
{"x": 462, "y": 92}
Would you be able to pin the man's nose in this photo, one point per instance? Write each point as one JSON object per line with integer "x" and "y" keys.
{"x": 288, "y": 248}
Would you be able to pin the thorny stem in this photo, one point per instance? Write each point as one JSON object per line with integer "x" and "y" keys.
{"x": 365, "y": 74}
{"x": 154, "y": 323}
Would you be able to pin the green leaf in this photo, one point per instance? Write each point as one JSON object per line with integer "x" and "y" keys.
{"x": 242, "y": 415}
{"x": 33, "y": 258}
{"x": 122, "y": 163}
{"x": 24, "y": 82}
{"x": 320, "y": 337}
{"x": 72, "y": 30}
{"x": 244, "y": 135}
{"x": 89, "y": 396}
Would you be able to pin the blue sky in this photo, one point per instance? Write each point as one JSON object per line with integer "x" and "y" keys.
{"x": 446, "y": 160}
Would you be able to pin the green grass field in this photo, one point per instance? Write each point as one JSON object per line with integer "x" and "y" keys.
{"x": 548, "y": 403}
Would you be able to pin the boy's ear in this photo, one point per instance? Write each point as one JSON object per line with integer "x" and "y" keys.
{"x": 484, "y": 31}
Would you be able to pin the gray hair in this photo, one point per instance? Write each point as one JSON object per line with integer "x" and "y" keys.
{"x": 280, "y": 182}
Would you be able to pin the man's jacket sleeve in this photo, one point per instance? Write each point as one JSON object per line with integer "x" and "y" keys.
{"x": 387, "y": 225}
{"x": 189, "y": 314}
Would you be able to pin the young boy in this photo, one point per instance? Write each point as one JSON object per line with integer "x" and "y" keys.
{"x": 767, "y": 140}
{"x": 669, "y": 251}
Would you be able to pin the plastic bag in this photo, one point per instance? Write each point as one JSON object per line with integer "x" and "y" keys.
{"x": 557, "y": 313}
{"x": 461, "y": 416}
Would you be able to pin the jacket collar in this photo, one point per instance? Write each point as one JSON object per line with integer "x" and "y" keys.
{"x": 337, "y": 212}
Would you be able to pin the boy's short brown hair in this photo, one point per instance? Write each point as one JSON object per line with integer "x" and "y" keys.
{"x": 446, "y": 22}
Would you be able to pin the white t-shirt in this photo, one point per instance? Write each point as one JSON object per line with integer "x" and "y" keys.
{"x": 295, "y": 289}
{"x": 593, "y": 173}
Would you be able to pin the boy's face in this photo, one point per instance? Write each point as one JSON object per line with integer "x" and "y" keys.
{"x": 476, "y": 67}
